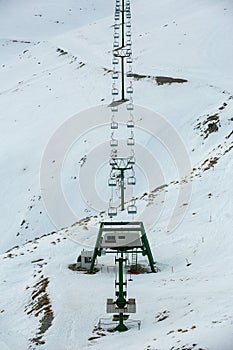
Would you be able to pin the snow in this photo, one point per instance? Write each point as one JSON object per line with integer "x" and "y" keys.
{"x": 54, "y": 108}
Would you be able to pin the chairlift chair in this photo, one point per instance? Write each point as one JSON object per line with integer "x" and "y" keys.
{"x": 115, "y": 60}
{"x": 132, "y": 209}
{"x": 112, "y": 162}
{"x": 115, "y": 91}
{"x": 112, "y": 181}
{"x": 128, "y": 25}
{"x": 129, "y": 60}
{"x": 129, "y": 74}
{"x": 129, "y": 90}
{"x": 116, "y": 35}
{"x": 128, "y": 33}
{"x": 115, "y": 75}
{"x": 116, "y": 26}
{"x": 131, "y": 180}
{"x": 116, "y": 44}
{"x": 114, "y": 125}
{"x": 114, "y": 108}
{"x": 113, "y": 153}
{"x": 131, "y": 160}
{"x": 129, "y": 42}
{"x": 130, "y": 124}
{"x": 112, "y": 211}
{"x": 113, "y": 142}
{"x": 129, "y": 107}
{"x": 131, "y": 141}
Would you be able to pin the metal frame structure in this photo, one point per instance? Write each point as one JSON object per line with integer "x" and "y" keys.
{"x": 110, "y": 227}
{"x": 122, "y": 165}
{"x": 118, "y": 237}
{"x": 121, "y": 305}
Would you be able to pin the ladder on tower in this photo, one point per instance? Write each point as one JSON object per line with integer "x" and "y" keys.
{"x": 134, "y": 260}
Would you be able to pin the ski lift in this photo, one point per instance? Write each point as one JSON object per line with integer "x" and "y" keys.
{"x": 130, "y": 123}
{"x": 112, "y": 181}
{"x": 128, "y": 25}
{"x": 129, "y": 60}
{"x": 114, "y": 125}
{"x": 131, "y": 180}
{"x": 116, "y": 35}
{"x": 115, "y": 60}
{"x": 112, "y": 162}
{"x": 129, "y": 107}
{"x": 117, "y": 16}
{"x": 131, "y": 160}
{"x": 116, "y": 44}
{"x": 128, "y": 15}
{"x": 114, "y": 143}
{"x": 115, "y": 75}
{"x": 116, "y": 26}
{"x": 114, "y": 108}
{"x": 129, "y": 52}
{"x": 129, "y": 89}
{"x": 112, "y": 211}
{"x": 113, "y": 153}
{"x": 132, "y": 209}
{"x": 129, "y": 42}
{"x": 129, "y": 74}
{"x": 130, "y": 141}
{"x": 115, "y": 91}
{"x": 128, "y": 33}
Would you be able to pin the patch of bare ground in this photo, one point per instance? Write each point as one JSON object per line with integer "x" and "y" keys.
{"x": 40, "y": 306}
{"x": 160, "y": 80}
{"x": 209, "y": 125}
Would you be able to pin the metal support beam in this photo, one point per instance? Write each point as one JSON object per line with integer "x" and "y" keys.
{"x": 122, "y": 79}
{"x": 122, "y": 190}
{"x": 122, "y": 45}
{"x": 121, "y": 301}
{"x": 148, "y": 252}
{"x": 123, "y": 24}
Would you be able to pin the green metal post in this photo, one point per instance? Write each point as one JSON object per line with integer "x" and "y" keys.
{"x": 122, "y": 79}
{"x": 122, "y": 44}
{"x": 121, "y": 302}
{"x": 148, "y": 251}
{"x": 123, "y": 24}
{"x": 97, "y": 250}
{"x": 95, "y": 254}
{"x": 122, "y": 190}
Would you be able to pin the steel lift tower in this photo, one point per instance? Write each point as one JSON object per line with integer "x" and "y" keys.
{"x": 122, "y": 237}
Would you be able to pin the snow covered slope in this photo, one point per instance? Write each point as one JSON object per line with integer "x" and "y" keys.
{"x": 54, "y": 64}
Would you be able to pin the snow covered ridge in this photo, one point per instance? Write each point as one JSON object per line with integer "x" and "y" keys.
{"x": 188, "y": 305}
